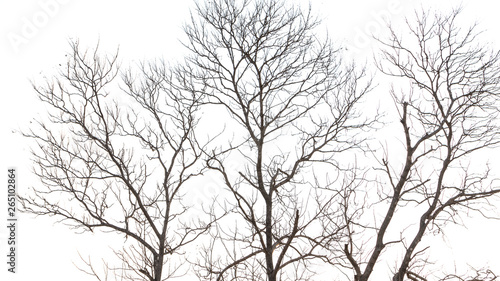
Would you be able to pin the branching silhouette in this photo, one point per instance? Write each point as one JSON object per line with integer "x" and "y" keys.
{"x": 299, "y": 188}
{"x": 293, "y": 102}
{"x": 449, "y": 113}
{"x": 117, "y": 166}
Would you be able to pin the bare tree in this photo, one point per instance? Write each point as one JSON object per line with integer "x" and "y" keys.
{"x": 449, "y": 113}
{"x": 118, "y": 159}
{"x": 291, "y": 107}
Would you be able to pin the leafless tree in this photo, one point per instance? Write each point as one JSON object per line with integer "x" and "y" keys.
{"x": 448, "y": 113}
{"x": 118, "y": 158}
{"x": 291, "y": 110}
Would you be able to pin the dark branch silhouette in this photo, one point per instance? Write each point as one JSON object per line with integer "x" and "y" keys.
{"x": 292, "y": 105}
{"x": 106, "y": 164}
{"x": 287, "y": 143}
{"x": 448, "y": 113}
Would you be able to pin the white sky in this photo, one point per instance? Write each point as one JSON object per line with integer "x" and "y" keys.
{"x": 34, "y": 39}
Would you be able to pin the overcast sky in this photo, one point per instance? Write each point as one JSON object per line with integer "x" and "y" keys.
{"x": 34, "y": 39}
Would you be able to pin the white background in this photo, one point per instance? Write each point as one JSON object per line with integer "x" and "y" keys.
{"x": 34, "y": 39}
